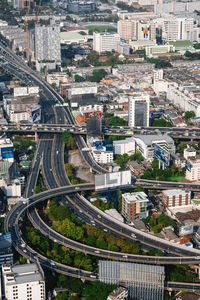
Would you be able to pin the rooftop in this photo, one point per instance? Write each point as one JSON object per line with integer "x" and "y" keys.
{"x": 154, "y": 138}
{"x": 137, "y": 197}
{"x": 174, "y": 192}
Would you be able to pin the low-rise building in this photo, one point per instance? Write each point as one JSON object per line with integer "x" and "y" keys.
{"x": 193, "y": 170}
{"x": 145, "y": 144}
{"x": 157, "y": 50}
{"x": 189, "y": 152}
{"x": 103, "y": 156}
{"x": 120, "y": 293}
{"x": 6, "y": 254}
{"x": 172, "y": 198}
{"x": 24, "y": 282}
{"x": 135, "y": 205}
{"x": 124, "y": 146}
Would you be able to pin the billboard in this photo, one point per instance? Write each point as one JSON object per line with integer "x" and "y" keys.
{"x": 91, "y": 114}
{"x": 36, "y": 114}
{"x": 161, "y": 154}
{"x": 7, "y": 152}
{"x": 110, "y": 180}
{"x": 188, "y": 165}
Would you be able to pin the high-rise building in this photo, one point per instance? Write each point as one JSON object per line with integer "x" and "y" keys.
{"x": 134, "y": 205}
{"x": 139, "y": 29}
{"x": 103, "y": 42}
{"x": 126, "y": 29}
{"x": 21, "y": 4}
{"x": 23, "y": 282}
{"x": 47, "y": 43}
{"x": 138, "y": 110}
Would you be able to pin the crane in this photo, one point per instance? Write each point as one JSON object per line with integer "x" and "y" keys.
{"x": 37, "y": 12}
{"x": 27, "y": 37}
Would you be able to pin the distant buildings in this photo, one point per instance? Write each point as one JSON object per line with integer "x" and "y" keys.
{"x": 135, "y": 205}
{"x": 138, "y": 110}
{"x": 81, "y": 6}
{"x": 24, "y": 105}
{"x": 103, "y": 42}
{"x": 47, "y": 44}
{"x": 173, "y": 198}
{"x": 23, "y": 4}
{"x": 94, "y": 126}
{"x": 23, "y": 282}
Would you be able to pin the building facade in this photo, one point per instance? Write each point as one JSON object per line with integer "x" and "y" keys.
{"x": 103, "y": 42}
{"x": 23, "y": 282}
{"x": 193, "y": 170}
{"x": 134, "y": 205}
{"x": 47, "y": 43}
{"x": 138, "y": 110}
{"x": 173, "y": 198}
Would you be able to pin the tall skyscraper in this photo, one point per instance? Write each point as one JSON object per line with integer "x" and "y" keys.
{"x": 103, "y": 42}
{"x": 138, "y": 110}
{"x": 47, "y": 43}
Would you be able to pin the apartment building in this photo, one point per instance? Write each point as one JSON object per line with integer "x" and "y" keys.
{"x": 193, "y": 170}
{"x": 23, "y": 282}
{"x": 47, "y": 43}
{"x": 134, "y": 205}
{"x": 103, "y": 42}
{"x": 176, "y": 197}
{"x": 138, "y": 110}
{"x": 184, "y": 97}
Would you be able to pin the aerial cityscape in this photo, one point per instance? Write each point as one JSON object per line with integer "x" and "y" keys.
{"x": 100, "y": 149}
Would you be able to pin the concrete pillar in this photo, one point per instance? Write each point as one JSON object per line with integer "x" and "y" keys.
{"x": 36, "y": 137}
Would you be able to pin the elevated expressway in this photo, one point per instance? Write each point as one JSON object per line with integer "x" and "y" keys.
{"x": 93, "y": 164}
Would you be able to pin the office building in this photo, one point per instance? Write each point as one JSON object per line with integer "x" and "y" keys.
{"x": 145, "y": 144}
{"x": 138, "y": 110}
{"x": 103, "y": 42}
{"x": 193, "y": 170}
{"x": 6, "y": 254}
{"x": 175, "y": 197}
{"x": 81, "y": 6}
{"x": 143, "y": 281}
{"x": 23, "y": 282}
{"x": 47, "y": 44}
{"x": 135, "y": 205}
{"x": 94, "y": 126}
{"x": 158, "y": 50}
{"x": 124, "y": 146}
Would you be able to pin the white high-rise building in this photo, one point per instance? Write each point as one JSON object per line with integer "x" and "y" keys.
{"x": 23, "y": 282}
{"x": 47, "y": 43}
{"x": 176, "y": 27}
{"x": 138, "y": 110}
{"x": 103, "y": 42}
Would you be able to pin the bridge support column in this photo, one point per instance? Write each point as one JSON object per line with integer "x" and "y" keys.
{"x": 90, "y": 170}
{"x": 36, "y": 136}
{"x": 198, "y": 270}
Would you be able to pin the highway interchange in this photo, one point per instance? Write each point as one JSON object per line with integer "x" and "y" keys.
{"x": 54, "y": 175}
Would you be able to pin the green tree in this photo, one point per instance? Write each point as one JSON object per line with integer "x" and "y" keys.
{"x": 61, "y": 296}
{"x": 79, "y": 78}
{"x": 23, "y": 260}
{"x": 97, "y": 75}
{"x": 69, "y": 140}
{"x": 162, "y": 123}
{"x": 182, "y": 146}
{"x": 189, "y": 115}
{"x": 67, "y": 62}
{"x": 53, "y": 85}
{"x": 70, "y": 169}
{"x": 93, "y": 58}
{"x": 137, "y": 156}
{"x": 97, "y": 290}
{"x": 116, "y": 121}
